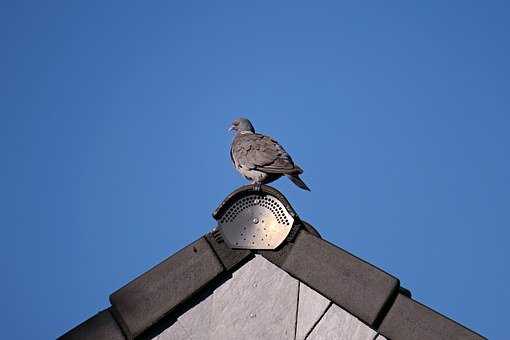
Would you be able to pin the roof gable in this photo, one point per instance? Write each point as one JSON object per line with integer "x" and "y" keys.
{"x": 362, "y": 299}
{"x": 261, "y": 301}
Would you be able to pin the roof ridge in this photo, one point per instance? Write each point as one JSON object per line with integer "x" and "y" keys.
{"x": 367, "y": 292}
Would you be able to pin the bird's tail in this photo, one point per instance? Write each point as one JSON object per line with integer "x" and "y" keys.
{"x": 298, "y": 181}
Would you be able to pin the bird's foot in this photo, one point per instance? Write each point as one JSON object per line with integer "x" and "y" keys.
{"x": 256, "y": 186}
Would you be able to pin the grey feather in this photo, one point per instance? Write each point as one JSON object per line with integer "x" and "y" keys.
{"x": 261, "y": 158}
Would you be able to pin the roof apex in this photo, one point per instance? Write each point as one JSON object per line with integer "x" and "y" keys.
{"x": 246, "y": 190}
{"x": 166, "y": 290}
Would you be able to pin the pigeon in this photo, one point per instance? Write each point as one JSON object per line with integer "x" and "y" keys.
{"x": 260, "y": 158}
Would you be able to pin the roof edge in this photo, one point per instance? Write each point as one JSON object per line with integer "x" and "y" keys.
{"x": 364, "y": 290}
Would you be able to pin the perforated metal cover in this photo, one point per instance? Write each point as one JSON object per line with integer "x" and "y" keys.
{"x": 256, "y": 222}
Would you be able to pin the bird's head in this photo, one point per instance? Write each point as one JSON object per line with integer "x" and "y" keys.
{"x": 241, "y": 125}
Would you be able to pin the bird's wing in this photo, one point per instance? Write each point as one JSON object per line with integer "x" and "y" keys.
{"x": 256, "y": 151}
{"x": 239, "y": 152}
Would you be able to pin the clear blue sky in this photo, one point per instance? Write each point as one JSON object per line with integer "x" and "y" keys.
{"x": 115, "y": 151}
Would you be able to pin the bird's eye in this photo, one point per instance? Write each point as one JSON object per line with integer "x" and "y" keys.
{"x": 236, "y": 123}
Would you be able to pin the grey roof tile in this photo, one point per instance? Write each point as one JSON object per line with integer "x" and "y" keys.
{"x": 230, "y": 258}
{"x": 410, "y": 320}
{"x": 174, "y": 332}
{"x": 338, "y": 324}
{"x": 258, "y": 302}
{"x": 146, "y": 299}
{"x": 311, "y": 307}
{"x": 348, "y": 281}
{"x": 101, "y": 326}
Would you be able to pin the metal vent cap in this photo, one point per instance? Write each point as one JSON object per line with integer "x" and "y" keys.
{"x": 255, "y": 220}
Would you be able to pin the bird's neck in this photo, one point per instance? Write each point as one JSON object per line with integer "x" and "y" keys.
{"x": 244, "y": 132}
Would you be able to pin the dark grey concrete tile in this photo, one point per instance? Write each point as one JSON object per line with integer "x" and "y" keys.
{"x": 146, "y": 299}
{"x": 410, "y": 320}
{"x": 101, "y": 326}
{"x": 348, "y": 281}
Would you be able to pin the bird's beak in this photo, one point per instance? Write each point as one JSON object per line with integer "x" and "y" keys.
{"x": 231, "y": 128}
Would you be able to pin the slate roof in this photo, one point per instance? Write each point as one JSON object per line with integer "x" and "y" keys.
{"x": 146, "y": 306}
